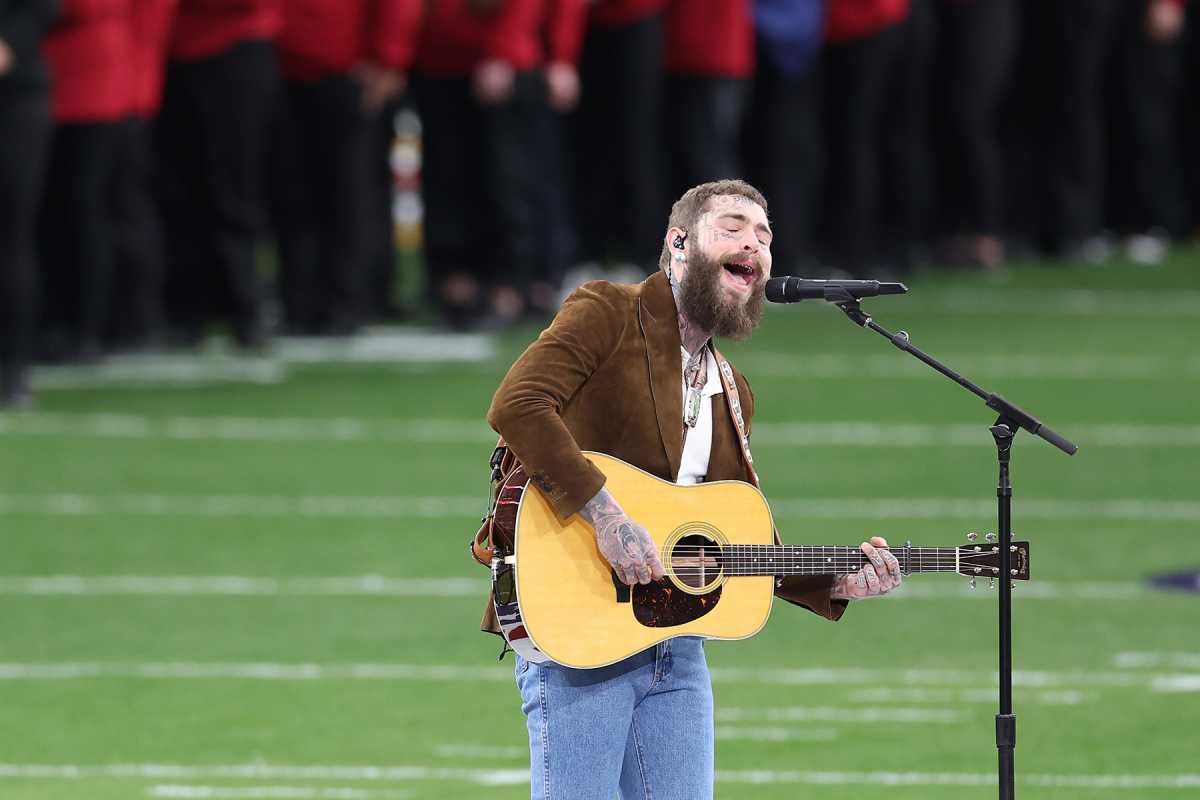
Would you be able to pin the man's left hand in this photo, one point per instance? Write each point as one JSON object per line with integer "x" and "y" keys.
{"x": 877, "y": 577}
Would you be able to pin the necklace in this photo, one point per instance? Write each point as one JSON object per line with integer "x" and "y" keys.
{"x": 696, "y": 367}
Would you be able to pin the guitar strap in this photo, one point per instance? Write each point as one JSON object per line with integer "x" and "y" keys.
{"x": 734, "y": 404}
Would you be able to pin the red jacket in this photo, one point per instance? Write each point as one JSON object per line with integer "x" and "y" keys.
{"x": 205, "y": 28}
{"x": 525, "y": 33}
{"x": 713, "y": 38}
{"x": 329, "y": 37}
{"x": 858, "y": 19}
{"x": 151, "y": 31}
{"x": 613, "y": 13}
{"x": 89, "y": 51}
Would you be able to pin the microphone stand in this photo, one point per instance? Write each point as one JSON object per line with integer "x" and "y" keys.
{"x": 1010, "y": 419}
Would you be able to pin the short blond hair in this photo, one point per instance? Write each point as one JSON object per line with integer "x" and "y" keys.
{"x": 686, "y": 211}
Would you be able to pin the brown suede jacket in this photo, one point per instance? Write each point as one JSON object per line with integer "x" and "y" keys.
{"x": 605, "y": 376}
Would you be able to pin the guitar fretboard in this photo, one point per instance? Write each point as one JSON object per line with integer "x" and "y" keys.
{"x": 769, "y": 559}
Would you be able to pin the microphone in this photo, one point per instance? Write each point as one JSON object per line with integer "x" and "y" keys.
{"x": 792, "y": 290}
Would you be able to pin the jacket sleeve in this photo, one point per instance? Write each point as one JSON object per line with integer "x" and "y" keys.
{"x": 807, "y": 591}
{"x": 512, "y": 29}
{"x": 526, "y": 409}
{"x": 565, "y": 23}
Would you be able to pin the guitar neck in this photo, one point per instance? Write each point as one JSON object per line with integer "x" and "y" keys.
{"x": 781, "y": 560}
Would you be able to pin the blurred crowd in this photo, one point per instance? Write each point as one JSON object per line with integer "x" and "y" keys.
{"x": 150, "y": 149}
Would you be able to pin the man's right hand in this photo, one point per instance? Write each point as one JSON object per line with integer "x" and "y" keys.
{"x": 626, "y": 545}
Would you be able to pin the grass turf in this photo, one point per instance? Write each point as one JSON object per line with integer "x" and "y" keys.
{"x": 1085, "y": 710}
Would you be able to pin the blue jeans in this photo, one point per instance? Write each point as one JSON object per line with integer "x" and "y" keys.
{"x": 643, "y": 726}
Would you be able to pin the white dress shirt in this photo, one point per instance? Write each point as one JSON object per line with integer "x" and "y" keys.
{"x": 697, "y": 442}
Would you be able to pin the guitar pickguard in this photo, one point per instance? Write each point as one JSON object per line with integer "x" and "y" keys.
{"x": 661, "y": 604}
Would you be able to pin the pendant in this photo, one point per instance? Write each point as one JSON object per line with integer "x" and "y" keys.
{"x": 693, "y": 407}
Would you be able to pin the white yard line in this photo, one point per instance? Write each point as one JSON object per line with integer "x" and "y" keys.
{"x": 770, "y": 733}
{"x": 872, "y": 714}
{"x": 1016, "y": 366}
{"x": 194, "y": 792}
{"x": 850, "y": 433}
{"x": 1050, "y": 301}
{"x": 436, "y": 507}
{"x": 514, "y": 777}
{"x": 988, "y": 696}
{"x": 242, "y": 585}
{"x": 809, "y": 676}
{"x": 1157, "y": 659}
{"x": 460, "y": 586}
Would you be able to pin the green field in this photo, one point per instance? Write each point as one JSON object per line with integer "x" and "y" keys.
{"x": 248, "y": 577}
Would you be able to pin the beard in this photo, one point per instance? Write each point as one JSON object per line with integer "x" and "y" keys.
{"x": 703, "y": 300}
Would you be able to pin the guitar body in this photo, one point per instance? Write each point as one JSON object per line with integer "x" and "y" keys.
{"x": 578, "y": 615}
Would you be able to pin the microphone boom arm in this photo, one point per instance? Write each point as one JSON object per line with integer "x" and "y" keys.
{"x": 1007, "y": 410}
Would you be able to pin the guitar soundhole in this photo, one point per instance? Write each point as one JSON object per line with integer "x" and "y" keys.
{"x": 692, "y": 590}
{"x": 696, "y": 561}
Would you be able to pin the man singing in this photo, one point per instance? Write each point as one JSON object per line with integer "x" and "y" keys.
{"x": 631, "y": 371}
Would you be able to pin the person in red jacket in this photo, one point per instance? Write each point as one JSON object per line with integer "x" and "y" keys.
{"x": 25, "y": 128}
{"x": 479, "y": 81}
{"x": 618, "y": 156}
{"x": 342, "y": 61}
{"x": 138, "y": 321}
{"x": 89, "y": 53}
{"x": 709, "y": 62}
{"x": 222, "y": 79}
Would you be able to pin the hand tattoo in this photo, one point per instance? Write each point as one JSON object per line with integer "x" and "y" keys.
{"x": 626, "y": 545}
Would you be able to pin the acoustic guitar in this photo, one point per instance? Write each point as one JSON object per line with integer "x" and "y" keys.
{"x": 716, "y": 542}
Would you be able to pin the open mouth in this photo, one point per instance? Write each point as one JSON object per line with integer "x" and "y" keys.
{"x": 740, "y": 274}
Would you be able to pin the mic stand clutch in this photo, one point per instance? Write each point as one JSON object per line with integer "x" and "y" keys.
{"x": 1003, "y": 431}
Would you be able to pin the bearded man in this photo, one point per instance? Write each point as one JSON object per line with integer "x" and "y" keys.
{"x": 631, "y": 371}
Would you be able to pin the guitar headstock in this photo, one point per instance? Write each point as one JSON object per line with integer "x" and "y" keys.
{"x": 983, "y": 560}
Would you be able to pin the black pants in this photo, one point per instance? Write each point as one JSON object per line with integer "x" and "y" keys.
{"x": 1142, "y": 94}
{"x": 976, "y": 55}
{"x": 211, "y": 142}
{"x": 76, "y": 239}
{"x": 704, "y": 117}
{"x": 480, "y": 182}
{"x": 855, "y": 80}
{"x": 25, "y": 131}
{"x": 617, "y": 145}
{"x": 320, "y": 194}
{"x": 781, "y": 156}
{"x": 137, "y": 285}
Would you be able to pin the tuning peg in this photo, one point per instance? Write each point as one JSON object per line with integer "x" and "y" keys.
{"x": 991, "y": 537}
{"x": 972, "y": 536}
{"x": 971, "y": 583}
{"x": 991, "y": 583}
{"x": 1012, "y": 584}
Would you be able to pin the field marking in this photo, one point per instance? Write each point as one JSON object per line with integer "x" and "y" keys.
{"x": 767, "y": 733}
{"x": 850, "y": 433}
{"x": 262, "y": 771}
{"x": 1126, "y": 782}
{"x": 1049, "y": 301}
{"x": 438, "y": 507}
{"x": 990, "y": 696}
{"x": 514, "y": 777}
{"x": 241, "y": 585}
{"x": 936, "y": 716}
{"x": 807, "y": 676}
{"x": 193, "y": 792}
{"x": 377, "y": 346}
{"x": 461, "y": 586}
{"x": 1016, "y": 366}
{"x": 1150, "y": 660}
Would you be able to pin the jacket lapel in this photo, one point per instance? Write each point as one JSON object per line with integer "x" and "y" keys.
{"x": 660, "y": 327}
